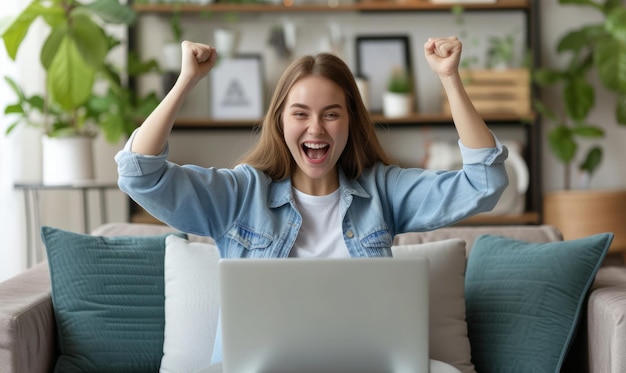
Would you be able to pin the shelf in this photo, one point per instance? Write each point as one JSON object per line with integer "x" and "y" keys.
{"x": 415, "y": 119}
{"x": 371, "y": 5}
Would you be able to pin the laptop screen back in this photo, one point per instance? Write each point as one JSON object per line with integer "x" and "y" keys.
{"x": 333, "y": 315}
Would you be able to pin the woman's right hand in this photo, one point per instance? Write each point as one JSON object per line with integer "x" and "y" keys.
{"x": 198, "y": 59}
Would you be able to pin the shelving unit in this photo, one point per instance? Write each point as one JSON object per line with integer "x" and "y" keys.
{"x": 529, "y": 121}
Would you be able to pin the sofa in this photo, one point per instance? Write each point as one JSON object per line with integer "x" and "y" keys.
{"x": 29, "y": 340}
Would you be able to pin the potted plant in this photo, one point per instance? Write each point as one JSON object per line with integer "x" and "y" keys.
{"x": 398, "y": 98}
{"x": 598, "y": 48}
{"x": 172, "y": 53}
{"x": 74, "y": 57}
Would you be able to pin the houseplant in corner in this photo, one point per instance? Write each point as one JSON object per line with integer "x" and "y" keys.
{"x": 398, "y": 98}
{"x": 599, "y": 48}
{"x": 75, "y": 107}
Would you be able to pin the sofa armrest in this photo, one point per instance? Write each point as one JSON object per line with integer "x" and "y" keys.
{"x": 606, "y": 328}
{"x": 27, "y": 326}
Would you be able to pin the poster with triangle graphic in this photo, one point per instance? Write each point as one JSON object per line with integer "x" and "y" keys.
{"x": 237, "y": 88}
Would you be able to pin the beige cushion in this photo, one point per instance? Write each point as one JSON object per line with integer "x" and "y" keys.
{"x": 448, "y": 329}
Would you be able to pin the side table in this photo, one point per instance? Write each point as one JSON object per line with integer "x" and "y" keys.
{"x": 31, "y": 191}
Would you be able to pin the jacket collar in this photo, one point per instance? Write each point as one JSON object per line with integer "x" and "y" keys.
{"x": 280, "y": 192}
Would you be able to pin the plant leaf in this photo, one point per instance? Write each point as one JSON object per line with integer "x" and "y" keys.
{"x": 616, "y": 23}
{"x": 70, "y": 78}
{"x": 16, "y": 31}
{"x": 610, "y": 61}
{"x": 579, "y": 98}
{"x": 14, "y": 109}
{"x": 588, "y": 131}
{"x": 90, "y": 39}
{"x": 51, "y": 46}
{"x": 592, "y": 160}
{"x": 562, "y": 143}
{"x": 579, "y": 39}
{"x": 546, "y": 77}
{"x": 111, "y": 11}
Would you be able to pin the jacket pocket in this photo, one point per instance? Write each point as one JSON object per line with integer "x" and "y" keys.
{"x": 378, "y": 239}
{"x": 244, "y": 240}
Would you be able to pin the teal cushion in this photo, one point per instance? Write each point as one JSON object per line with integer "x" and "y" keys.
{"x": 108, "y": 299}
{"x": 524, "y": 300}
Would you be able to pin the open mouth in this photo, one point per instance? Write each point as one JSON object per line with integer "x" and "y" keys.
{"x": 315, "y": 151}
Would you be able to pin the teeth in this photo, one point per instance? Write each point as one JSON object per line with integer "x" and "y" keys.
{"x": 315, "y": 146}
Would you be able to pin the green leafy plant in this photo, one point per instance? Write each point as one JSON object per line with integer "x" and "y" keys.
{"x": 501, "y": 51}
{"x": 400, "y": 81}
{"x": 74, "y": 59}
{"x": 599, "y": 47}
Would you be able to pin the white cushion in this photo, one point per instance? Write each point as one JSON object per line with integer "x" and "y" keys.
{"x": 448, "y": 341}
{"x": 191, "y": 304}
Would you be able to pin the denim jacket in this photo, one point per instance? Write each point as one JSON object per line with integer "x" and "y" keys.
{"x": 250, "y": 215}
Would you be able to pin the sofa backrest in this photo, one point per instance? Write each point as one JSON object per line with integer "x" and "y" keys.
{"x": 531, "y": 233}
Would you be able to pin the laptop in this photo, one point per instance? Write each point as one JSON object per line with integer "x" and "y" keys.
{"x": 324, "y": 315}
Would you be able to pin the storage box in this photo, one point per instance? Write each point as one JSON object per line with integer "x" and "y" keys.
{"x": 496, "y": 91}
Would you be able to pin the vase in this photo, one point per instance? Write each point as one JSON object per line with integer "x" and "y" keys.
{"x": 397, "y": 105}
{"x": 67, "y": 160}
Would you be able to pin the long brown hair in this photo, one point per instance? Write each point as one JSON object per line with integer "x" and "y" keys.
{"x": 363, "y": 150}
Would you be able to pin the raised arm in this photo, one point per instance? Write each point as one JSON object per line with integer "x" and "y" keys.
{"x": 197, "y": 61}
{"x": 443, "y": 56}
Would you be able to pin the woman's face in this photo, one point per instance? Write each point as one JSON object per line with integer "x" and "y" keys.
{"x": 315, "y": 125}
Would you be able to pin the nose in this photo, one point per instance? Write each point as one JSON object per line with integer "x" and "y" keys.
{"x": 316, "y": 127}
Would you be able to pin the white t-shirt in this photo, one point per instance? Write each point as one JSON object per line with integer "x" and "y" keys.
{"x": 320, "y": 235}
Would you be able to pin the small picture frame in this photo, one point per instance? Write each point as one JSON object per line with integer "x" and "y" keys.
{"x": 376, "y": 58}
{"x": 237, "y": 88}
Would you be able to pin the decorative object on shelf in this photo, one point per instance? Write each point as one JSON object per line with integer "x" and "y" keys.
{"x": 225, "y": 41}
{"x": 237, "y": 88}
{"x": 74, "y": 58}
{"x": 376, "y": 57}
{"x": 398, "y": 97}
{"x": 283, "y": 39}
{"x": 496, "y": 91}
{"x": 501, "y": 52}
{"x": 172, "y": 52}
{"x": 599, "y": 48}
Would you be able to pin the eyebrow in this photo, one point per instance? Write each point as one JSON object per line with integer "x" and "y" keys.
{"x": 303, "y": 106}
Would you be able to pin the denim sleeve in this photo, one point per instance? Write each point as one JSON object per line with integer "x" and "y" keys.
{"x": 190, "y": 198}
{"x": 423, "y": 200}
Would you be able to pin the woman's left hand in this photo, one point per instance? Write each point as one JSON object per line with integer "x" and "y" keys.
{"x": 443, "y": 55}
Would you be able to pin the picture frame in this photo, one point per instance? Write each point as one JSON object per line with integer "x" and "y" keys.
{"x": 237, "y": 88}
{"x": 376, "y": 57}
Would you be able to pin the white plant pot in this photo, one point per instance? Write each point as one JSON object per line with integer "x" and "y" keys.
{"x": 172, "y": 57}
{"x": 397, "y": 105}
{"x": 67, "y": 160}
{"x": 225, "y": 42}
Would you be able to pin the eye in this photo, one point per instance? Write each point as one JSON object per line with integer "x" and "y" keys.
{"x": 299, "y": 114}
{"x": 331, "y": 115}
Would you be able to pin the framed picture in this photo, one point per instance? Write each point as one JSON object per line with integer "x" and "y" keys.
{"x": 376, "y": 58}
{"x": 237, "y": 88}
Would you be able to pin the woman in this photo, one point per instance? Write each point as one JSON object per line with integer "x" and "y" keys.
{"x": 318, "y": 183}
